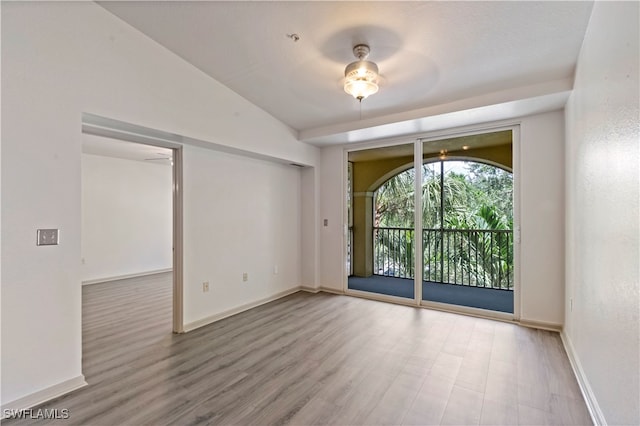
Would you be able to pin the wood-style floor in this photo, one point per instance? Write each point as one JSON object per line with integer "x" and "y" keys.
{"x": 312, "y": 359}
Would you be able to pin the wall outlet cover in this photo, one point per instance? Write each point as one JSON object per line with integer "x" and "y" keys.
{"x": 48, "y": 237}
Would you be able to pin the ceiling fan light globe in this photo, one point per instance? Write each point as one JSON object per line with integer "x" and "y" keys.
{"x": 361, "y": 76}
{"x": 360, "y": 89}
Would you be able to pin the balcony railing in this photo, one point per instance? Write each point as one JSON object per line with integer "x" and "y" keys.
{"x": 471, "y": 257}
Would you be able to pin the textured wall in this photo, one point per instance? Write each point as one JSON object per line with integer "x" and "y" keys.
{"x": 602, "y": 212}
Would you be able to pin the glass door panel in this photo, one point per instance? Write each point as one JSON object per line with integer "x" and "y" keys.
{"x": 382, "y": 209}
{"x": 468, "y": 227}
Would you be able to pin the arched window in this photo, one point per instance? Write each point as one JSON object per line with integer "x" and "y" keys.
{"x": 468, "y": 194}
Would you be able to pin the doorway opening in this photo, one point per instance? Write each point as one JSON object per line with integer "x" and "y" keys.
{"x": 147, "y": 239}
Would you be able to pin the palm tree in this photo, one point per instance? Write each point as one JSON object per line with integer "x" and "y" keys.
{"x": 477, "y": 200}
{"x": 394, "y": 201}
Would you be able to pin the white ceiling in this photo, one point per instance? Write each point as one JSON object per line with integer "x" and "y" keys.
{"x": 429, "y": 53}
{"x": 115, "y": 148}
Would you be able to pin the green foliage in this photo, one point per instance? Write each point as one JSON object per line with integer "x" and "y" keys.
{"x": 476, "y": 196}
{"x": 472, "y": 197}
{"x": 394, "y": 201}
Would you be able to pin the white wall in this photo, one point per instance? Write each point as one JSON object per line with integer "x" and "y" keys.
{"x": 126, "y": 217}
{"x": 240, "y": 215}
{"x": 332, "y": 199}
{"x": 542, "y": 217}
{"x": 60, "y": 59}
{"x": 309, "y": 228}
{"x": 602, "y": 216}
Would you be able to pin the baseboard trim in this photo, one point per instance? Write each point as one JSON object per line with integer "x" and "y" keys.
{"x": 124, "y": 277}
{"x": 331, "y": 290}
{"x": 44, "y": 395}
{"x": 597, "y": 417}
{"x": 315, "y": 290}
{"x": 542, "y": 325}
{"x": 217, "y": 317}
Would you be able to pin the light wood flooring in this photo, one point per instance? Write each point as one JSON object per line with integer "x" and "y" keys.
{"x": 312, "y": 359}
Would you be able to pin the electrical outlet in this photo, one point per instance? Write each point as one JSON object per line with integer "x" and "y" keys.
{"x": 47, "y": 237}
{"x": 205, "y": 286}
{"x": 245, "y": 276}
{"x": 275, "y": 269}
{"x": 571, "y": 304}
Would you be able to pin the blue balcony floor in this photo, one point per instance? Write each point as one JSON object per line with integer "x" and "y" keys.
{"x": 474, "y": 297}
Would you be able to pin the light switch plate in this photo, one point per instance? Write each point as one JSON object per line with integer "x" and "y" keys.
{"x": 48, "y": 237}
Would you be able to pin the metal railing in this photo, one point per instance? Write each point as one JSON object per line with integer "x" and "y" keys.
{"x": 471, "y": 257}
{"x": 393, "y": 252}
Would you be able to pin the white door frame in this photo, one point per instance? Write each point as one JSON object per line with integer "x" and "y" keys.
{"x": 114, "y": 129}
{"x": 514, "y": 126}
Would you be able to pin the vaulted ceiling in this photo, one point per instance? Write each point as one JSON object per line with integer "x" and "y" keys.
{"x": 435, "y": 58}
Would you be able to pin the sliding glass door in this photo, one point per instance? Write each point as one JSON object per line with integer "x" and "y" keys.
{"x": 464, "y": 238}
